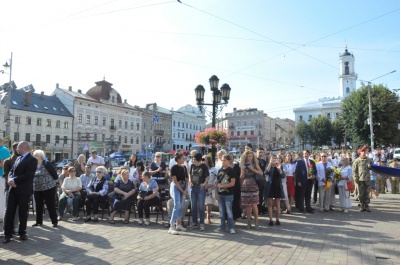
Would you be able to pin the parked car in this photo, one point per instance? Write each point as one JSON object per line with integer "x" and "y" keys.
{"x": 396, "y": 154}
{"x": 64, "y": 162}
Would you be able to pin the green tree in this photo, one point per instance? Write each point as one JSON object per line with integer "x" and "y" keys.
{"x": 303, "y": 132}
{"x": 385, "y": 116}
{"x": 337, "y": 131}
{"x": 321, "y": 131}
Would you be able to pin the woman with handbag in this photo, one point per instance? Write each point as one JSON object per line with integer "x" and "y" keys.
{"x": 124, "y": 189}
{"x": 44, "y": 188}
{"x": 148, "y": 197}
{"x": 250, "y": 198}
{"x": 210, "y": 186}
{"x": 344, "y": 192}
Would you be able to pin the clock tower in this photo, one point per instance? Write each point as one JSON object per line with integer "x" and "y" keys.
{"x": 347, "y": 76}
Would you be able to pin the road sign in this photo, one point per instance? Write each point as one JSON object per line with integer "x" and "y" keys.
{"x": 155, "y": 118}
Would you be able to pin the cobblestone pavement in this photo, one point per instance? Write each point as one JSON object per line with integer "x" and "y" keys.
{"x": 320, "y": 238}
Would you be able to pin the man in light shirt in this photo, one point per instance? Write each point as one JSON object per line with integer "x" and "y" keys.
{"x": 322, "y": 178}
{"x": 95, "y": 161}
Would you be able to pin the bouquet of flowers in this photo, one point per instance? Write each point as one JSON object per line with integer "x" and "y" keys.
{"x": 328, "y": 176}
{"x": 311, "y": 172}
{"x": 337, "y": 173}
{"x": 212, "y": 136}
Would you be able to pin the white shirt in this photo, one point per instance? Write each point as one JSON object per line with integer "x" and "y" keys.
{"x": 321, "y": 172}
{"x": 97, "y": 160}
{"x": 345, "y": 172}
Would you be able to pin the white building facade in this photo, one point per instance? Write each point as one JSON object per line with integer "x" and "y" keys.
{"x": 331, "y": 107}
{"x": 102, "y": 122}
{"x": 186, "y": 122}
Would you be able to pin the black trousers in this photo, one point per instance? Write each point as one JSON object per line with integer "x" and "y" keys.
{"x": 315, "y": 191}
{"x": 92, "y": 203}
{"x": 307, "y": 195}
{"x": 260, "y": 198}
{"x": 49, "y": 197}
{"x": 14, "y": 201}
{"x": 145, "y": 205}
{"x": 299, "y": 197}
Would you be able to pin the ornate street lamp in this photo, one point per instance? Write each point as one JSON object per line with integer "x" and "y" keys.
{"x": 220, "y": 98}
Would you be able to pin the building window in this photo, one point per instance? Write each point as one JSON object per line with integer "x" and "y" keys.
{"x": 232, "y": 133}
{"x": 309, "y": 117}
{"x": 27, "y": 137}
{"x": 131, "y": 140}
{"x": 48, "y": 122}
{"x": 126, "y": 139}
{"x": 120, "y": 124}
{"x": 57, "y": 139}
{"x": 65, "y": 140}
{"x": 17, "y": 119}
{"x": 119, "y": 138}
{"x": 65, "y": 125}
{"x": 103, "y": 137}
{"x": 58, "y": 123}
{"x": 238, "y": 133}
{"x": 328, "y": 115}
{"x": 126, "y": 125}
{"x": 95, "y": 137}
{"x": 112, "y": 122}
{"x": 245, "y": 132}
{"x": 28, "y": 121}
{"x": 251, "y": 132}
{"x": 179, "y": 135}
{"x": 96, "y": 120}
{"x": 179, "y": 124}
{"x": 87, "y": 119}
{"x": 137, "y": 140}
{"x": 38, "y": 139}
{"x": 104, "y": 121}
{"x": 337, "y": 115}
{"x": 245, "y": 123}
{"x": 39, "y": 122}
{"x": 80, "y": 118}
{"x": 79, "y": 136}
{"x": 16, "y": 138}
{"x": 174, "y": 123}
{"x": 47, "y": 138}
{"x": 137, "y": 126}
{"x": 113, "y": 99}
{"x": 132, "y": 126}
{"x": 301, "y": 117}
{"x": 347, "y": 90}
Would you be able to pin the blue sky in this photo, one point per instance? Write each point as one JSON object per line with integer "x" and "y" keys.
{"x": 275, "y": 55}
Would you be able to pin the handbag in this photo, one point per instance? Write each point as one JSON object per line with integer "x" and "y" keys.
{"x": 348, "y": 185}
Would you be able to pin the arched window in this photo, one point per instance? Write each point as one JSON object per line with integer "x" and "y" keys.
{"x": 347, "y": 90}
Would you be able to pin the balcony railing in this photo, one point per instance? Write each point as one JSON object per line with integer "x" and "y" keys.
{"x": 113, "y": 127}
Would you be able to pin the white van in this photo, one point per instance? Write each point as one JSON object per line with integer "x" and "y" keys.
{"x": 396, "y": 153}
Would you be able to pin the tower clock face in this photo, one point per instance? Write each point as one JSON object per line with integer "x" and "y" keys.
{"x": 346, "y": 63}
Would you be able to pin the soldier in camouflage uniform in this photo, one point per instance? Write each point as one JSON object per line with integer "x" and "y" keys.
{"x": 381, "y": 180}
{"x": 362, "y": 177}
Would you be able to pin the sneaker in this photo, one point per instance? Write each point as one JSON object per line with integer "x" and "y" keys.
{"x": 277, "y": 222}
{"x": 271, "y": 223}
{"x": 146, "y": 223}
{"x": 232, "y": 231}
{"x": 201, "y": 227}
{"x": 180, "y": 228}
{"x": 218, "y": 230}
{"x": 140, "y": 223}
{"x": 195, "y": 226}
{"x": 75, "y": 219}
{"x": 172, "y": 231}
{"x": 346, "y": 211}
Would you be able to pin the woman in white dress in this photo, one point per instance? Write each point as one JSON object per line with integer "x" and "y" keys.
{"x": 288, "y": 182}
{"x": 344, "y": 195}
{"x": 210, "y": 186}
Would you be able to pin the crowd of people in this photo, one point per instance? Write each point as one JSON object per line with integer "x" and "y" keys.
{"x": 257, "y": 183}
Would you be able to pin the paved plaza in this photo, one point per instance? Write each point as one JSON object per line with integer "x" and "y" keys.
{"x": 320, "y": 238}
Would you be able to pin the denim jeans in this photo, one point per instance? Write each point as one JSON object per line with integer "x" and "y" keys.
{"x": 225, "y": 206}
{"x": 179, "y": 201}
{"x": 198, "y": 199}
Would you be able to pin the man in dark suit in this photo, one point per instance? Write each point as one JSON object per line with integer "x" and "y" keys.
{"x": 20, "y": 181}
{"x": 304, "y": 181}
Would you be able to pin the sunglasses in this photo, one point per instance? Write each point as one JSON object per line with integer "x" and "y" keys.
{"x": 99, "y": 172}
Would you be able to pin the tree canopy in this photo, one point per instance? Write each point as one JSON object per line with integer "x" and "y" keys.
{"x": 385, "y": 116}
